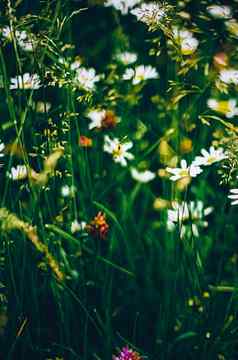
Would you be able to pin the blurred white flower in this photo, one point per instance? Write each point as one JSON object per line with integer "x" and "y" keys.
{"x": 86, "y": 78}
{"x": 42, "y": 107}
{"x": 96, "y": 117}
{"x": 127, "y": 57}
{"x": 227, "y": 107}
{"x": 118, "y": 150}
{"x": 140, "y": 73}
{"x": 67, "y": 190}
{"x": 184, "y": 171}
{"x": 229, "y": 76}
{"x": 2, "y": 147}
{"x": 22, "y": 38}
{"x": 142, "y": 176}
{"x": 76, "y": 226}
{"x": 122, "y": 5}
{"x": 76, "y": 64}
{"x": 187, "y": 42}
{"x": 233, "y": 196}
{"x": 26, "y": 81}
{"x": 219, "y": 11}
{"x": 18, "y": 173}
{"x": 150, "y": 13}
{"x": 209, "y": 157}
{"x": 188, "y": 216}
{"x": 232, "y": 27}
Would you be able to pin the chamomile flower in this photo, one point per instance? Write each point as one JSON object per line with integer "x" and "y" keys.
{"x": 102, "y": 119}
{"x": 18, "y": 173}
{"x": 77, "y": 226}
{"x": 184, "y": 171}
{"x": 86, "y": 78}
{"x": 122, "y": 5}
{"x": 229, "y": 76}
{"x": 127, "y": 58}
{"x": 22, "y": 38}
{"x": 210, "y": 157}
{"x": 226, "y": 107}
{"x": 219, "y": 11}
{"x": 187, "y": 42}
{"x": 151, "y": 14}
{"x": 26, "y": 81}
{"x": 142, "y": 176}
{"x": 233, "y": 196}
{"x": 119, "y": 150}
{"x": 140, "y": 74}
{"x": 188, "y": 216}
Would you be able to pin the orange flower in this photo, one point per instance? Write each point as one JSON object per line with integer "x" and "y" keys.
{"x": 98, "y": 227}
{"x": 85, "y": 141}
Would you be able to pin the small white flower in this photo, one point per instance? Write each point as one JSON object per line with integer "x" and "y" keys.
{"x": 150, "y": 13}
{"x": 67, "y": 190}
{"x": 86, "y": 78}
{"x": 76, "y": 64}
{"x": 184, "y": 171}
{"x": 118, "y": 150}
{"x": 187, "y": 42}
{"x": 142, "y": 176}
{"x": 233, "y": 196}
{"x": 76, "y": 226}
{"x": 210, "y": 157}
{"x": 22, "y": 38}
{"x": 26, "y": 81}
{"x": 228, "y": 108}
{"x": 96, "y": 117}
{"x": 141, "y": 73}
{"x": 189, "y": 217}
{"x": 18, "y": 173}
{"x": 127, "y": 57}
{"x": 122, "y": 5}
{"x": 229, "y": 76}
{"x": 219, "y": 11}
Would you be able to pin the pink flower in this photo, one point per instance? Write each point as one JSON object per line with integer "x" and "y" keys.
{"x": 127, "y": 354}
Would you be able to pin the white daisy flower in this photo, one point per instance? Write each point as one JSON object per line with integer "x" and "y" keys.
{"x": 219, "y": 11}
{"x": 142, "y": 176}
{"x": 26, "y": 81}
{"x": 18, "y": 173}
{"x": 96, "y": 117}
{"x": 140, "y": 73}
{"x": 184, "y": 171}
{"x": 76, "y": 226}
{"x": 210, "y": 157}
{"x": 22, "y": 38}
{"x": 229, "y": 76}
{"x": 233, "y": 196}
{"x": 150, "y": 13}
{"x": 187, "y": 42}
{"x": 228, "y": 108}
{"x": 127, "y": 57}
{"x": 189, "y": 217}
{"x": 118, "y": 150}
{"x": 122, "y": 5}
{"x": 86, "y": 78}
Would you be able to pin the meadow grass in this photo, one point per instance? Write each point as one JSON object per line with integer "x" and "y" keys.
{"x": 109, "y": 239}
